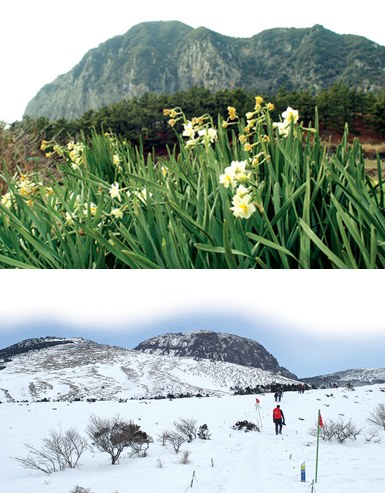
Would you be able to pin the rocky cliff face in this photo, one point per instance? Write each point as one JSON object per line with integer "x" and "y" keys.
{"x": 170, "y": 56}
{"x": 205, "y": 344}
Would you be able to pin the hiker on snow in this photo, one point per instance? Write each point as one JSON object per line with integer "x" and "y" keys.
{"x": 278, "y": 396}
{"x": 279, "y": 419}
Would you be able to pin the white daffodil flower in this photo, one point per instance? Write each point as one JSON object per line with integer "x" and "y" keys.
{"x": 188, "y": 130}
{"x": 241, "y": 204}
{"x": 283, "y": 128}
{"x": 117, "y": 213}
{"x": 208, "y": 133}
{"x": 114, "y": 191}
{"x": 239, "y": 166}
{"x": 290, "y": 115}
{"x": 228, "y": 178}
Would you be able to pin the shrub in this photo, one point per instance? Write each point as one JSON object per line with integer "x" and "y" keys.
{"x": 176, "y": 439}
{"x": 185, "y": 457}
{"x": 115, "y": 434}
{"x": 60, "y": 450}
{"x": 162, "y": 437}
{"x": 80, "y": 489}
{"x": 159, "y": 463}
{"x": 203, "y": 432}
{"x": 343, "y": 431}
{"x": 187, "y": 428}
{"x": 338, "y": 430}
{"x": 245, "y": 426}
{"x": 373, "y": 436}
{"x": 377, "y": 416}
{"x": 140, "y": 443}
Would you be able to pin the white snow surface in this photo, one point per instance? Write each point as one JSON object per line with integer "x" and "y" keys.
{"x": 86, "y": 369}
{"x": 231, "y": 461}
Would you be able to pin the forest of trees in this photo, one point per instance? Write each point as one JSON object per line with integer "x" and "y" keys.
{"x": 142, "y": 119}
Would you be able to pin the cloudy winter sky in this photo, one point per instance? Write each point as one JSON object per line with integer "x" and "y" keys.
{"x": 313, "y": 323}
{"x": 41, "y": 40}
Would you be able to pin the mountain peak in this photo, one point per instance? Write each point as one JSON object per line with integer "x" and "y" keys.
{"x": 169, "y": 56}
{"x": 76, "y": 368}
{"x": 205, "y": 344}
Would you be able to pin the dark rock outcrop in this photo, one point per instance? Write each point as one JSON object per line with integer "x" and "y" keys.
{"x": 206, "y": 344}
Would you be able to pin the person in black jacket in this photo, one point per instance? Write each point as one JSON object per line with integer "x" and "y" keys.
{"x": 278, "y": 419}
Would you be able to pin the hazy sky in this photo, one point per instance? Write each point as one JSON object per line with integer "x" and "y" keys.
{"x": 41, "y": 40}
{"x": 312, "y": 322}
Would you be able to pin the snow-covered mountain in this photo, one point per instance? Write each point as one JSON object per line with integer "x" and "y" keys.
{"x": 355, "y": 376}
{"x": 214, "y": 346}
{"x": 76, "y": 368}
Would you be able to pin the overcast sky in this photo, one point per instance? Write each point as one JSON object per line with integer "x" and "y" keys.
{"x": 41, "y": 40}
{"x": 312, "y": 322}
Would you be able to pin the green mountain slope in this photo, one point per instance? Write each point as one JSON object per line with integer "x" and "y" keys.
{"x": 165, "y": 57}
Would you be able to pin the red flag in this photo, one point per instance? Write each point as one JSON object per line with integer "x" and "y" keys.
{"x": 320, "y": 421}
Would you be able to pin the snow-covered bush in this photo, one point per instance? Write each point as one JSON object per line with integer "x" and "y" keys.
{"x": 115, "y": 434}
{"x": 373, "y": 436}
{"x": 162, "y": 437}
{"x": 80, "y": 489}
{"x": 326, "y": 432}
{"x": 159, "y": 463}
{"x": 377, "y": 417}
{"x": 60, "y": 450}
{"x": 176, "y": 439}
{"x": 140, "y": 443}
{"x": 187, "y": 428}
{"x": 343, "y": 431}
{"x": 339, "y": 430}
{"x": 246, "y": 426}
{"x": 185, "y": 457}
{"x": 204, "y": 433}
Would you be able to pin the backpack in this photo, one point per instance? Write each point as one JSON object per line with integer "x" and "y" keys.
{"x": 277, "y": 413}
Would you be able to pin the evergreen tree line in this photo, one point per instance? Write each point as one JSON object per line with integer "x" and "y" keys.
{"x": 142, "y": 119}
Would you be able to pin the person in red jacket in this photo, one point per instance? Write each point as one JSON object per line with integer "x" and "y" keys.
{"x": 279, "y": 419}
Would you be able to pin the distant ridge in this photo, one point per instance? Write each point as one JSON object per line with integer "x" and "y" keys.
{"x": 31, "y": 345}
{"x": 165, "y": 57}
{"x": 355, "y": 376}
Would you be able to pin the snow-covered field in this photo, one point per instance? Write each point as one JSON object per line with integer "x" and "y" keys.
{"x": 232, "y": 461}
